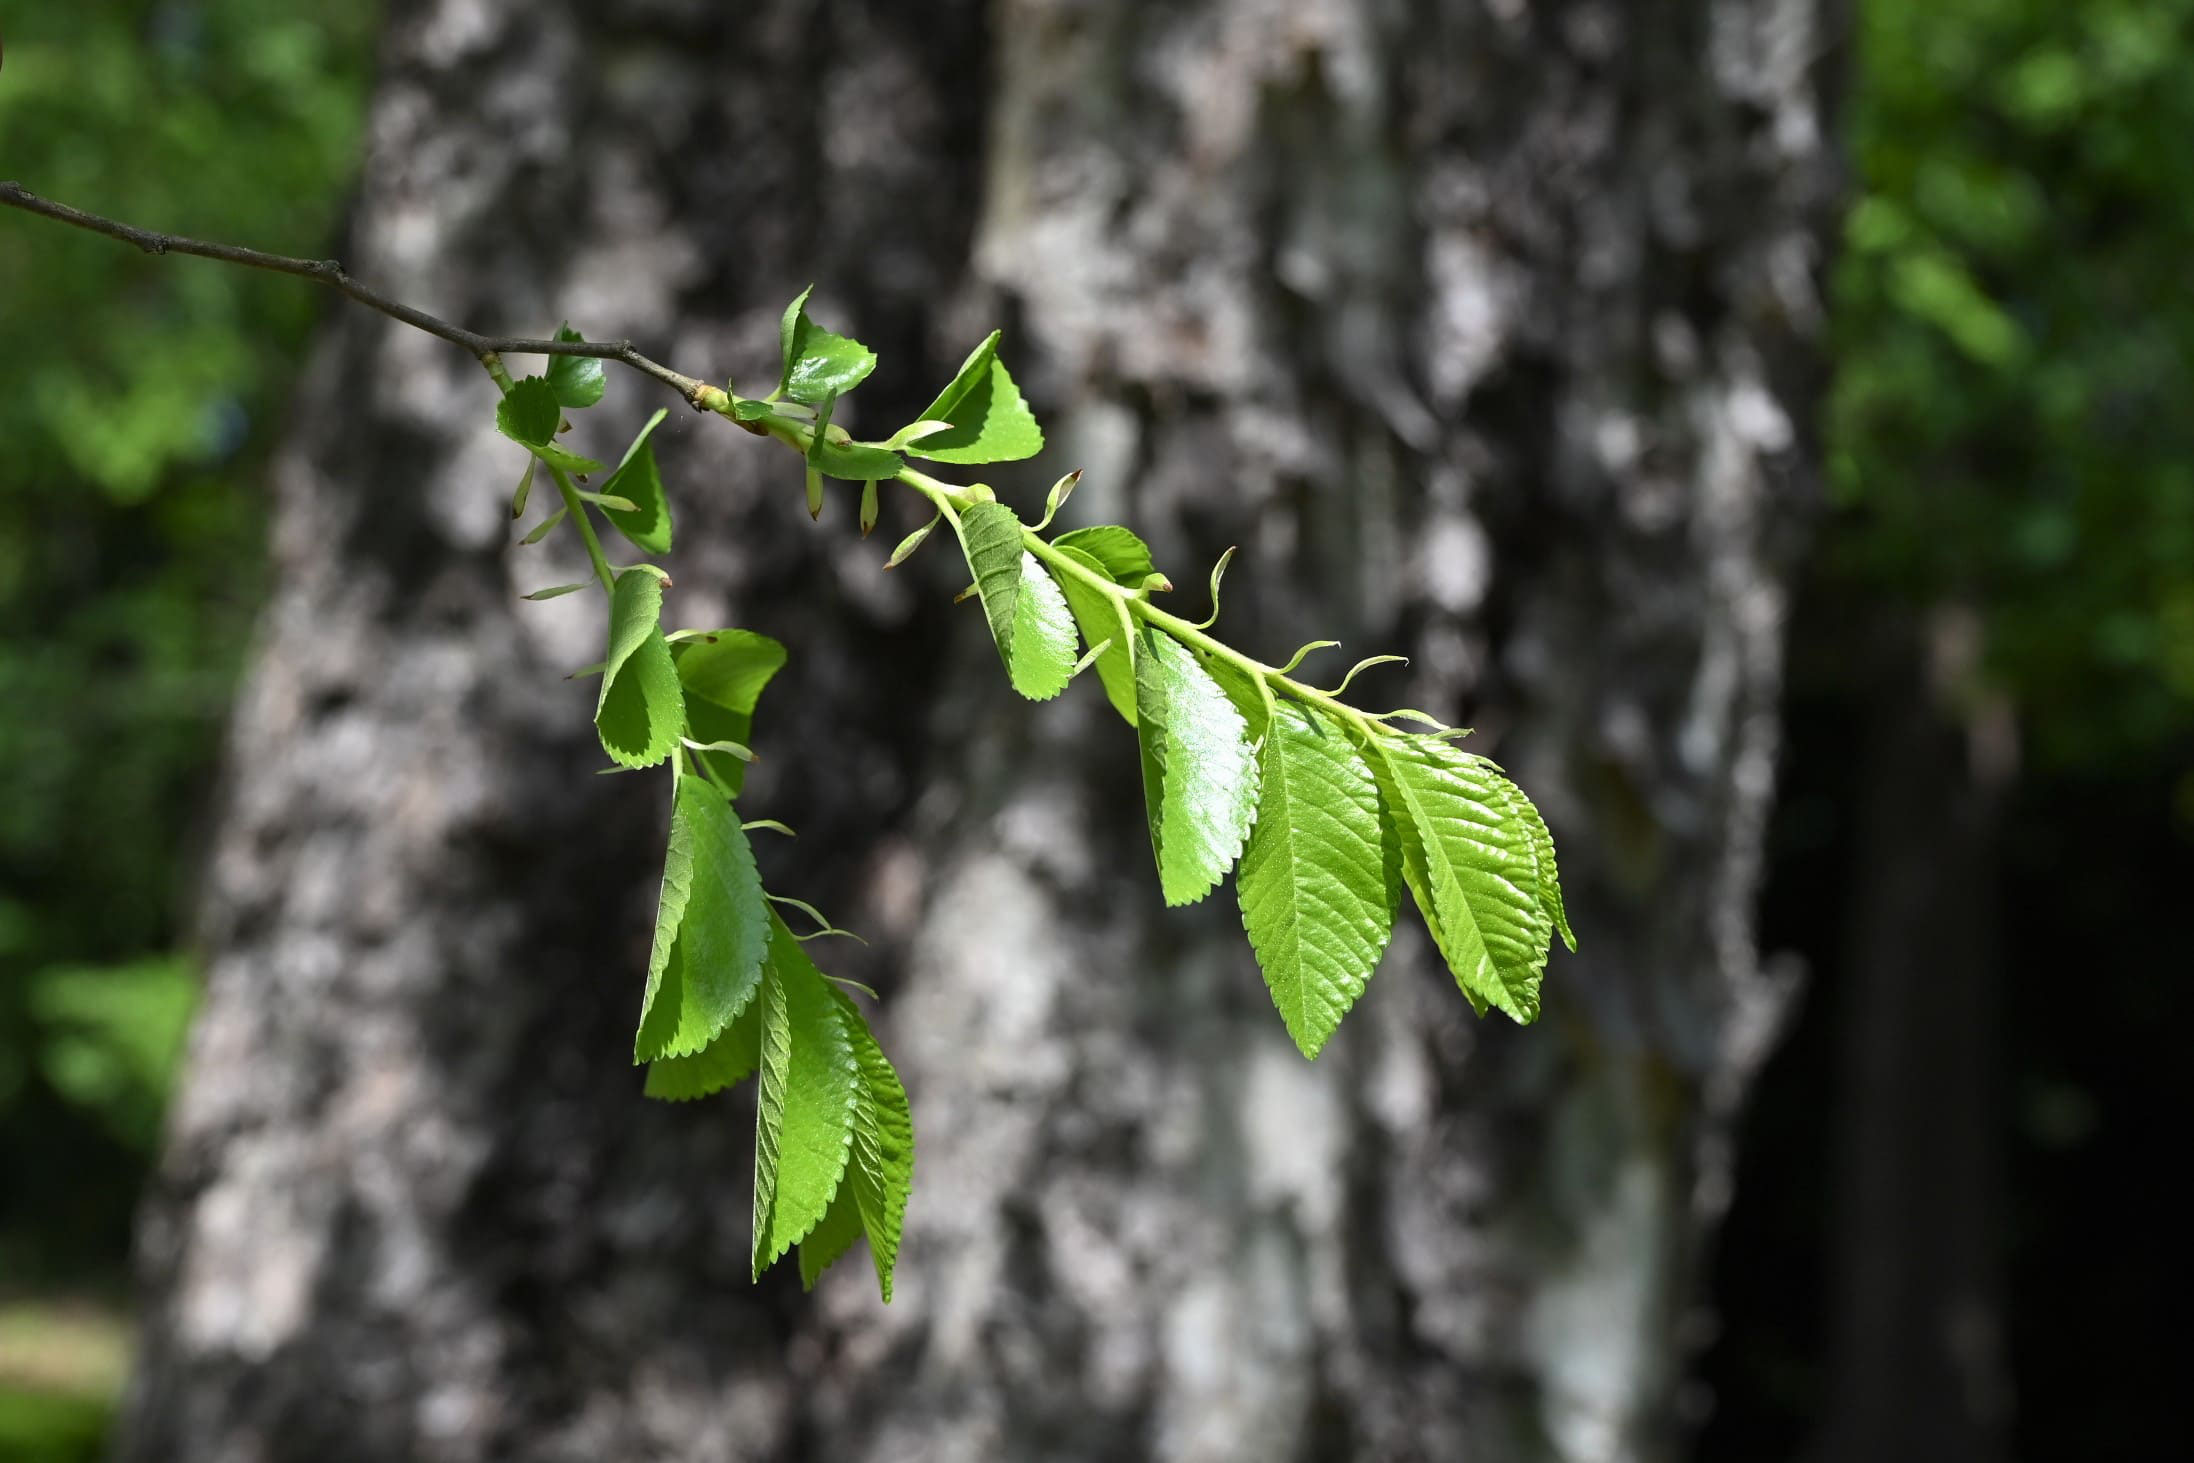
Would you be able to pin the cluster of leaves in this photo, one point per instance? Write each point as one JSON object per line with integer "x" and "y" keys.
{"x": 730, "y": 989}
{"x": 1328, "y": 811}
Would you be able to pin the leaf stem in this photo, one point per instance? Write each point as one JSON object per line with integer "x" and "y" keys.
{"x": 950, "y": 499}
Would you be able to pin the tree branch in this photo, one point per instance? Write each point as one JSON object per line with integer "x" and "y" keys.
{"x": 699, "y": 394}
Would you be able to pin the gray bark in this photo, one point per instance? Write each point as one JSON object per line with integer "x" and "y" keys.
{"x": 1484, "y": 329}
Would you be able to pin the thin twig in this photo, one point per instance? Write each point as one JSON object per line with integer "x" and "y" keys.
{"x": 699, "y": 394}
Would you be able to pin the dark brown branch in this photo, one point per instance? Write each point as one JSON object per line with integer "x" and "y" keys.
{"x": 699, "y": 394}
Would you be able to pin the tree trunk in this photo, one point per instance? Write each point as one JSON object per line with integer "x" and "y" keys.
{"x": 1918, "y": 1370}
{"x": 1484, "y": 329}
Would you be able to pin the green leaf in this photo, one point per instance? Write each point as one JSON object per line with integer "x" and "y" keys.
{"x": 724, "y": 674}
{"x": 1471, "y": 864}
{"x": 1321, "y": 877}
{"x": 711, "y": 928}
{"x": 640, "y": 714}
{"x": 524, "y": 490}
{"x": 1104, "y": 621}
{"x": 637, "y": 479}
{"x": 1542, "y": 845}
{"x": 872, "y": 1200}
{"x": 828, "y": 1242}
{"x": 1124, "y": 557}
{"x": 1056, "y": 499}
{"x": 725, "y": 1062}
{"x": 816, "y": 363}
{"x": 989, "y": 420}
{"x": 544, "y": 528}
{"x": 558, "y": 591}
{"x": 810, "y": 1076}
{"x": 746, "y": 410}
{"x": 529, "y": 415}
{"x": 912, "y": 541}
{"x": 1028, "y": 615}
{"x": 1199, "y": 773}
{"x": 578, "y": 381}
{"x": 881, "y": 1173}
{"x": 855, "y": 462}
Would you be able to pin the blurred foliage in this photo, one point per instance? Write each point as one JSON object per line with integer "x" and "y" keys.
{"x": 2013, "y": 420}
{"x": 144, "y": 394}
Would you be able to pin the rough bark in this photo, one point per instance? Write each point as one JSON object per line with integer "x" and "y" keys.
{"x": 1484, "y": 329}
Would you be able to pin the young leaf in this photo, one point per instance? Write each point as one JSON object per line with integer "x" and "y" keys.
{"x": 544, "y": 528}
{"x": 855, "y": 462}
{"x": 639, "y": 481}
{"x": 1321, "y": 877}
{"x": 804, "y": 1126}
{"x": 529, "y": 414}
{"x": 1472, "y": 867}
{"x": 1028, "y": 615}
{"x": 989, "y": 420}
{"x": 640, "y": 714}
{"x": 1124, "y": 557}
{"x": 558, "y": 591}
{"x": 816, "y": 363}
{"x": 723, "y": 677}
{"x": 576, "y": 380}
{"x": 711, "y": 929}
{"x": 1104, "y": 621}
{"x": 912, "y": 541}
{"x": 1199, "y": 774}
{"x": 725, "y": 1062}
{"x": 1056, "y": 499}
{"x": 524, "y": 490}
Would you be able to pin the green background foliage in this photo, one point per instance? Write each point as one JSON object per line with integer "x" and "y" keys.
{"x": 142, "y": 399}
{"x": 2012, "y": 425}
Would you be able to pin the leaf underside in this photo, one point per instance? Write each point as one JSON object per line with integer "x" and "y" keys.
{"x": 1471, "y": 865}
{"x": 1199, "y": 771}
{"x": 1028, "y": 614}
{"x": 640, "y": 712}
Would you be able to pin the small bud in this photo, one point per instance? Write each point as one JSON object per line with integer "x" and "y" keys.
{"x": 1057, "y": 497}
{"x": 525, "y": 490}
{"x": 815, "y": 494}
{"x": 868, "y": 508}
{"x": 911, "y": 542}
